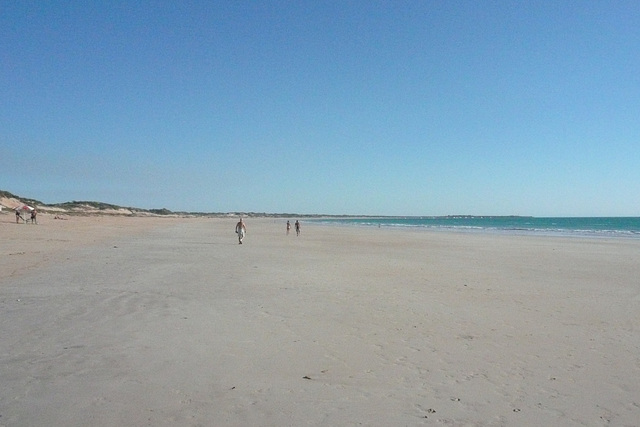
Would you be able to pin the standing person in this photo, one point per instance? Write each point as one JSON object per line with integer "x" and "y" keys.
{"x": 297, "y": 227}
{"x": 288, "y": 227}
{"x": 241, "y": 230}
{"x": 17, "y": 216}
{"x": 33, "y": 217}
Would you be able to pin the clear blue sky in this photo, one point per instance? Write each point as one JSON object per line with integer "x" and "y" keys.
{"x": 338, "y": 107}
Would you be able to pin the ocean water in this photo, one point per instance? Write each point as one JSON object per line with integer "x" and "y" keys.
{"x": 575, "y": 226}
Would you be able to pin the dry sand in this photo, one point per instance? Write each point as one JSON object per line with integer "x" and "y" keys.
{"x": 168, "y": 321}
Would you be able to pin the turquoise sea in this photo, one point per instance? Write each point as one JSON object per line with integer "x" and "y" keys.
{"x": 577, "y": 226}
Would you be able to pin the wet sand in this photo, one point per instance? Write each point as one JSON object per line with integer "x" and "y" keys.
{"x": 109, "y": 321}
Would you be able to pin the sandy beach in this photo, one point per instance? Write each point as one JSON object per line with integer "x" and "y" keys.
{"x": 124, "y": 321}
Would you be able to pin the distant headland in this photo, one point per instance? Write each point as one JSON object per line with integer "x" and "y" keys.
{"x": 84, "y": 208}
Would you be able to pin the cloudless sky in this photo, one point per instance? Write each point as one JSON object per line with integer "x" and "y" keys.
{"x": 337, "y": 107}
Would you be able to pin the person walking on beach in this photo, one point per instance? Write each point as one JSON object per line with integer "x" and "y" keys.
{"x": 241, "y": 230}
{"x": 297, "y": 227}
{"x": 288, "y": 227}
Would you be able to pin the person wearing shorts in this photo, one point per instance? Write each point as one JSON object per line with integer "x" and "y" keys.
{"x": 241, "y": 230}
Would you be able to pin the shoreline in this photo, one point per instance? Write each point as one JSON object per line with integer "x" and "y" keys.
{"x": 488, "y": 229}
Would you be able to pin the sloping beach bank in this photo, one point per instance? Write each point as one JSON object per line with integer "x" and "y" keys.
{"x": 168, "y": 321}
